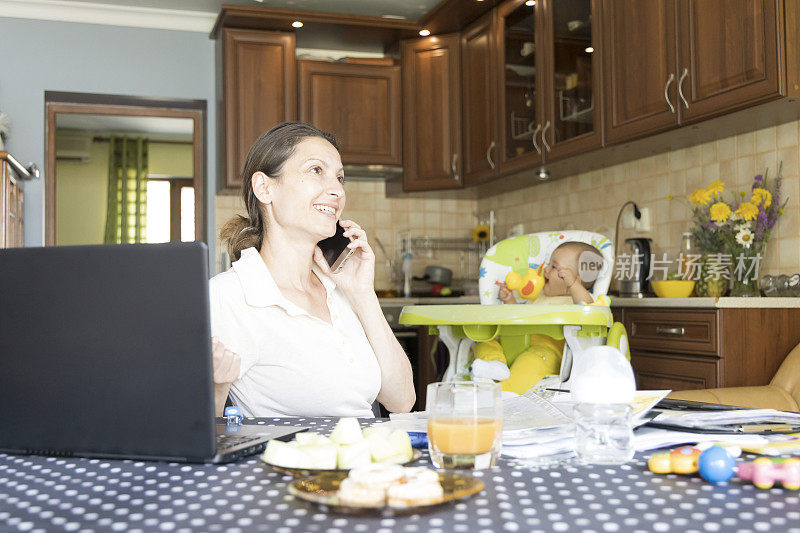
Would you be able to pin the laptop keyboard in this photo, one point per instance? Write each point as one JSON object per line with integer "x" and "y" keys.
{"x": 229, "y": 441}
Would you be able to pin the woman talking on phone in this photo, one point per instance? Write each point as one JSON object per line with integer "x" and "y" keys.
{"x": 292, "y": 337}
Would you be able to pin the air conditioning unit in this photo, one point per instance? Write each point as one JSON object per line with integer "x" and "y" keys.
{"x": 73, "y": 147}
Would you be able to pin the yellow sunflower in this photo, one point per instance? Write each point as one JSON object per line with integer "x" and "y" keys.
{"x": 760, "y": 195}
{"x": 716, "y": 187}
{"x": 720, "y": 212}
{"x": 700, "y": 197}
{"x": 747, "y": 211}
{"x": 480, "y": 233}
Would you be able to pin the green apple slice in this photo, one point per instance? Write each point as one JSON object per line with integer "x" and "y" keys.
{"x": 283, "y": 454}
{"x": 322, "y": 456}
{"x": 307, "y": 438}
{"x": 354, "y": 455}
{"x": 347, "y": 431}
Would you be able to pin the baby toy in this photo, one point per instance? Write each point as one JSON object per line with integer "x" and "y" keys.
{"x": 716, "y": 464}
{"x": 681, "y": 460}
{"x": 765, "y": 471}
{"x": 528, "y": 286}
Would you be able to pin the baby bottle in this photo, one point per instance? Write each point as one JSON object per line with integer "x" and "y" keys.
{"x": 602, "y": 387}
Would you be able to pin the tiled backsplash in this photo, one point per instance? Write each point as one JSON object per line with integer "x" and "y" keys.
{"x": 385, "y": 218}
{"x": 592, "y": 200}
{"x": 589, "y": 200}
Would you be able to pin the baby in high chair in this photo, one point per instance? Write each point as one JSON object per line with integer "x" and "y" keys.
{"x": 562, "y": 285}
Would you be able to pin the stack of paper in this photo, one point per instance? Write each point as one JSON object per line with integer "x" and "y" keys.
{"x": 731, "y": 421}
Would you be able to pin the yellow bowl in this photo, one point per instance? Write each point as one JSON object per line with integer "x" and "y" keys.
{"x": 678, "y": 288}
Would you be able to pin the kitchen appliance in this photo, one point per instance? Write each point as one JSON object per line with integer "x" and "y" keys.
{"x": 436, "y": 275}
{"x": 636, "y": 284}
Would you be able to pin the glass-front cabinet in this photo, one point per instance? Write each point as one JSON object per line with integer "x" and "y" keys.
{"x": 520, "y": 86}
{"x": 549, "y": 85}
{"x": 573, "y": 69}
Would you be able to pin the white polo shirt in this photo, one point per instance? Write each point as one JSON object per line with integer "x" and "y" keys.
{"x": 293, "y": 364}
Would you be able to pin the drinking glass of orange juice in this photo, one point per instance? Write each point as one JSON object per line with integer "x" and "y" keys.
{"x": 465, "y": 421}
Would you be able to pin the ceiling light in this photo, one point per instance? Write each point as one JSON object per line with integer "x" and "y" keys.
{"x": 424, "y": 33}
{"x": 543, "y": 174}
{"x": 297, "y": 24}
{"x": 528, "y": 3}
{"x": 588, "y": 50}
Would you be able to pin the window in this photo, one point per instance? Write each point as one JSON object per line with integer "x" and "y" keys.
{"x": 170, "y": 209}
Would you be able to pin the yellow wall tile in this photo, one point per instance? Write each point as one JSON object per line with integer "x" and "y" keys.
{"x": 765, "y": 139}
{"x": 745, "y": 144}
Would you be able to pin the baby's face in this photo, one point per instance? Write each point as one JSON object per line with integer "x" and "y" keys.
{"x": 553, "y": 284}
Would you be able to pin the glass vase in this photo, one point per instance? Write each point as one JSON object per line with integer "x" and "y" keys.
{"x": 745, "y": 263}
{"x": 714, "y": 276}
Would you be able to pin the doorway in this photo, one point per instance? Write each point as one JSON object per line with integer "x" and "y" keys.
{"x": 160, "y": 145}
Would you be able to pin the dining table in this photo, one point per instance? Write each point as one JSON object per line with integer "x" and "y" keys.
{"x": 42, "y": 493}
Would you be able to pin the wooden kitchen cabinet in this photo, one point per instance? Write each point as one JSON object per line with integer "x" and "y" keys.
{"x": 571, "y": 81}
{"x": 432, "y": 157}
{"x": 692, "y": 348}
{"x": 479, "y": 97}
{"x": 550, "y": 97}
{"x": 729, "y": 53}
{"x": 671, "y": 62}
{"x": 520, "y": 86}
{"x": 11, "y": 206}
{"x": 640, "y": 59}
{"x": 543, "y": 72}
{"x": 259, "y": 91}
{"x": 358, "y": 103}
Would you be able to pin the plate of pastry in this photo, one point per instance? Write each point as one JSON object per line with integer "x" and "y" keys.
{"x": 347, "y": 447}
{"x": 384, "y": 489}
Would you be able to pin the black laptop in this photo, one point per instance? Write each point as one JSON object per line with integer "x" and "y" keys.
{"x": 105, "y": 351}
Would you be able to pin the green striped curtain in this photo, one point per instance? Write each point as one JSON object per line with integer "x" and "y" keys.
{"x": 126, "y": 218}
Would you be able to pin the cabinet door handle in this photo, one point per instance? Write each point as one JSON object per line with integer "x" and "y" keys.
{"x": 544, "y": 138}
{"x": 489, "y": 155}
{"x": 669, "y": 331}
{"x": 666, "y": 94}
{"x": 535, "y": 144}
{"x": 680, "y": 87}
{"x": 453, "y": 166}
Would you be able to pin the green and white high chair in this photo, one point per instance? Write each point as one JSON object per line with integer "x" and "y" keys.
{"x": 460, "y": 326}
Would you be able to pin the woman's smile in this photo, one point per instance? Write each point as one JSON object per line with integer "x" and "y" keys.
{"x": 326, "y": 209}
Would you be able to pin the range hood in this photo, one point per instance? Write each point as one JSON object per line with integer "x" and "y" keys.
{"x": 371, "y": 172}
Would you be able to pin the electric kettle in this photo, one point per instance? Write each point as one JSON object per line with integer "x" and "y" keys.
{"x": 636, "y": 283}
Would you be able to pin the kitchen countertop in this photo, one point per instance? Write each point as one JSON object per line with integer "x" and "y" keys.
{"x": 712, "y": 303}
{"x": 431, "y": 300}
{"x": 709, "y": 303}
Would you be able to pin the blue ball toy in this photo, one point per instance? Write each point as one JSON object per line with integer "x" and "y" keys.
{"x": 716, "y": 465}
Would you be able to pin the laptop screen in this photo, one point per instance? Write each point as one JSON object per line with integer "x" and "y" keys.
{"x": 106, "y": 351}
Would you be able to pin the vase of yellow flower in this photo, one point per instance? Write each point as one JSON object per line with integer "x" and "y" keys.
{"x": 734, "y": 232}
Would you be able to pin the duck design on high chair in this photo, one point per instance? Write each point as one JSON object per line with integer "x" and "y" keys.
{"x": 528, "y": 286}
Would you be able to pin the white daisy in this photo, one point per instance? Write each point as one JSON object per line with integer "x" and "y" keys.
{"x": 735, "y": 217}
{"x": 744, "y": 237}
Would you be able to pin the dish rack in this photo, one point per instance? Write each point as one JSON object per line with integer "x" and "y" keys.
{"x": 427, "y": 249}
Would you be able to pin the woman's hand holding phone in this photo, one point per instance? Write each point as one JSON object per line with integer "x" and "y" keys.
{"x": 357, "y": 273}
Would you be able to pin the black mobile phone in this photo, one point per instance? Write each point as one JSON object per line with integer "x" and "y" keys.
{"x": 335, "y": 249}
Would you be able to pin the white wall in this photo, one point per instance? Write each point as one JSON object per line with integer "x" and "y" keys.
{"x": 38, "y": 56}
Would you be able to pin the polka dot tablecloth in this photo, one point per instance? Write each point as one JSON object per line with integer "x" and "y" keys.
{"x": 47, "y": 494}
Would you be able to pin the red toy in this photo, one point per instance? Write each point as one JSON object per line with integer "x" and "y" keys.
{"x": 765, "y": 471}
{"x": 681, "y": 460}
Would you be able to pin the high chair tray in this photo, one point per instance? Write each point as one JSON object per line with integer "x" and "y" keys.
{"x": 506, "y": 315}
